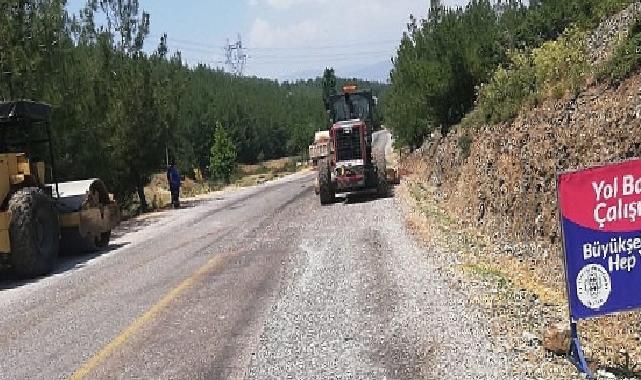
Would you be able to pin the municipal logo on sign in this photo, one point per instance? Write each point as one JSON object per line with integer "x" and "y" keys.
{"x": 593, "y": 286}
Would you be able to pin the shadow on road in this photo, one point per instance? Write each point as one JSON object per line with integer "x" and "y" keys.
{"x": 365, "y": 197}
{"x": 65, "y": 263}
{"x": 136, "y": 224}
{"x": 68, "y": 261}
{"x": 144, "y": 220}
{"x": 191, "y": 203}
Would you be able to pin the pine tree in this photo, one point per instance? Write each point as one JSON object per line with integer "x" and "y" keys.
{"x": 329, "y": 83}
{"x": 223, "y": 155}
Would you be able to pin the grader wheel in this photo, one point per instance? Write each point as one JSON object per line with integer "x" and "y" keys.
{"x": 34, "y": 233}
{"x": 382, "y": 187}
{"x": 326, "y": 190}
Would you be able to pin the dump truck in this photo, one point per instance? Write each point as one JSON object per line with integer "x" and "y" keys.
{"x": 354, "y": 165}
{"x": 39, "y": 216}
{"x": 321, "y": 148}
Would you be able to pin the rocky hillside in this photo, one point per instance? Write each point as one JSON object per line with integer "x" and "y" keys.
{"x": 500, "y": 181}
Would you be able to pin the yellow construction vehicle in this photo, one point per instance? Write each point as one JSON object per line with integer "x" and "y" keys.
{"x": 40, "y": 217}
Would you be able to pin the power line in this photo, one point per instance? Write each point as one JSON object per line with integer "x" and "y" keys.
{"x": 325, "y": 55}
{"x": 324, "y": 61}
{"x": 260, "y": 55}
{"x": 222, "y": 53}
{"x": 235, "y": 58}
{"x": 188, "y": 42}
{"x": 336, "y": 46}
{"x": 308, "y": 47}
{"x": 219, "y": 52}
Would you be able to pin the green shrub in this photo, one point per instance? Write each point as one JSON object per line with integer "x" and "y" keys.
{"x": 561, "y": 65}
{"x": 502, "y": 98}
{"x": 290, "y": 167}
{"x": 551, "y": 70}
{"x": 626, "y": 58}
{"x": 223, "y": 155}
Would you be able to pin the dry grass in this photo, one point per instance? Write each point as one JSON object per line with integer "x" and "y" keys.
{"x": 158, "y": 195}
{"x": 251, "y": 175}
{"x": 277, "y": 165}
{"x": 477, "y": 250}
{"x": 520, "y": 268}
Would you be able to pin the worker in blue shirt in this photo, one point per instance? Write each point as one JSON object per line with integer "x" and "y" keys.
{"x": 173, "y": 178}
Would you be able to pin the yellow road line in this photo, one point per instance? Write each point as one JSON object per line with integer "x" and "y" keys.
{"x": 148, "y": 316}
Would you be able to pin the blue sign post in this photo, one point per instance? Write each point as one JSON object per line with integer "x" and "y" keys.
{"x": 600, "y": 212}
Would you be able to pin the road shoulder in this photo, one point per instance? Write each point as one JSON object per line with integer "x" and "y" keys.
{"x": 518, "y": 309}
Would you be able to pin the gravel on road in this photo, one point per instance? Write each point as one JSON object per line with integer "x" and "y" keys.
{"x": 360, "y": 300}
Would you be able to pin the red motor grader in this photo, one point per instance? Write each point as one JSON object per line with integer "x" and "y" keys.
{"x": 354, "y": 165}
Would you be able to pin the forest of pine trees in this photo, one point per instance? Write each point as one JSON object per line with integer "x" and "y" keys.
{"x": 444, "y": 59}
{"x": 117, "y": 109}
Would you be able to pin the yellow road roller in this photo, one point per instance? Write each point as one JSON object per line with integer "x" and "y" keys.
{"x": 40, "y": 217}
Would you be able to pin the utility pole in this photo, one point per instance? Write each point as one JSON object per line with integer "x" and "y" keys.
{"x": 235, "y": 57}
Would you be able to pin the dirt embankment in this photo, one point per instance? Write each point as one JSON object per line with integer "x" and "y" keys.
{"x": 504, "y": 184}
{"x": 495, "y": 189}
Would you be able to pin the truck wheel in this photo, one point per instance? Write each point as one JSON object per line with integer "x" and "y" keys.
{"x": 34, "y": 233}
{"x": 382, "y": 187}
{"x": 326, "y": 190}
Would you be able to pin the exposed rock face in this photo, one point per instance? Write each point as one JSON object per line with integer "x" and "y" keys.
{"x": 507, "y": 184}
{"x": 604, "y": 38}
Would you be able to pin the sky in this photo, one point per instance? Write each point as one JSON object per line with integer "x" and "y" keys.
{"x": 286, "y": 39}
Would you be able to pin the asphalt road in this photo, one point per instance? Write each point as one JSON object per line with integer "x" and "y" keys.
{"x": 258, "y": 283}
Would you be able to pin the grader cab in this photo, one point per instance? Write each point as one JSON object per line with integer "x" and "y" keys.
{"x": 39, "y": 216}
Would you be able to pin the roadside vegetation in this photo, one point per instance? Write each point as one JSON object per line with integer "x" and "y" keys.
{"x": 489, "y": 59}
{"x": 625, "y": 60}
{"x": 250, "y": 175}
{"x": 552, "y": 70}
{"x": 243, "y": 175}
{"x": 222, "y": 161}
{"x": 120, "y": 109}
{"x": 483, "y": 185}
